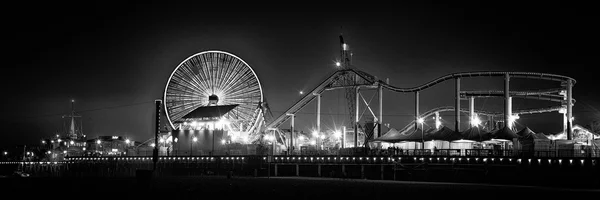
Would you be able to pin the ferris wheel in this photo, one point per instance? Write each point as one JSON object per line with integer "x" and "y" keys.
{"x": 215, "y": 75}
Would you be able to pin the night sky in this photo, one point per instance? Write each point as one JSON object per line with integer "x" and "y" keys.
{"x": 115, "y": 59}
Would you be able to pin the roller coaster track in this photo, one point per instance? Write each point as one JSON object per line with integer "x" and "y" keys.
{"x": 516, "y": 94}
{"x": 431, "y": 112}
{"x": 368, "y": 80}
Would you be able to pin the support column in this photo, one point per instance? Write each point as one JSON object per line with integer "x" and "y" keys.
{"x": 438, "y": 123}
{"x": 491, "y": 122}
{"x": 343, "y": 137}
{"x": 318, "y": 120}
{"x": 297, "y": 170}
{"x": 382, "y": 169}
{"x": 457, "y": 106}
{"x": 510, "y": 125}
{"x": 569, "y": 109}
{"x": 275, "y": 170}
{"x": 380, "y": 120}
{"x": 291, "y": 148}
{"x": 506, "y": 100}
{"x": 362, "y": 171}
{"x": 471, "y": 109}
{"x": 356, "y": 119}
{"x": 319, "y": 170}
{"x": 416, "y": 110}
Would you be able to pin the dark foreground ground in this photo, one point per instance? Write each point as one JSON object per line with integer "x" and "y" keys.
{"x": 283, "y": 188}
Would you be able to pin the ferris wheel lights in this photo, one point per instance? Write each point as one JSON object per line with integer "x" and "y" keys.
{"x": 420, "y": 120}
{"x": 338, "y": 64}
{"x": 217, "y": 78}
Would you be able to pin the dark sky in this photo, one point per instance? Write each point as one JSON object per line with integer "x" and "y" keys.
{"x": 114, "y": 58}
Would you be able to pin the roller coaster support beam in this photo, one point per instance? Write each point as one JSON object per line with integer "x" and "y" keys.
{"x": 457, "y": 106}
{"x": 343, "y": 137}
{"x": 438, "y": 122}
{"x": 569, "y": 109}
{"x": 357, "y": 103}
{"x": 380, "y": 119}
{"x": 291, "y": 150}
{"x": 318, "y": 120}
{"x": 507, "y": 109}
{"x": 416, "y": 110}
{"x": 471, "y": 109}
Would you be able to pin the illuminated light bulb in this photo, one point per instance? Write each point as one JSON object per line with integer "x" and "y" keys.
{"x": 475, "y": 121}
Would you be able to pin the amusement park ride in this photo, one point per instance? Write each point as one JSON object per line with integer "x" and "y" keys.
{"x": 223, "y": 84}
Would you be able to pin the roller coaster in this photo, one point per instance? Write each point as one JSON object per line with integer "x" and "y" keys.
{"x": 352, "y": 79}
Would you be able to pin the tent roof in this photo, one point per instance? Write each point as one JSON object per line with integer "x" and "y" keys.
{"x": 525, "y": 132}
{"x": 395, "y": 136}
{"x": 504, "y": 134}
{"x": 390, "y": 135}
{"x": 475, "y": 134}
{"x": 444, "y": 133}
